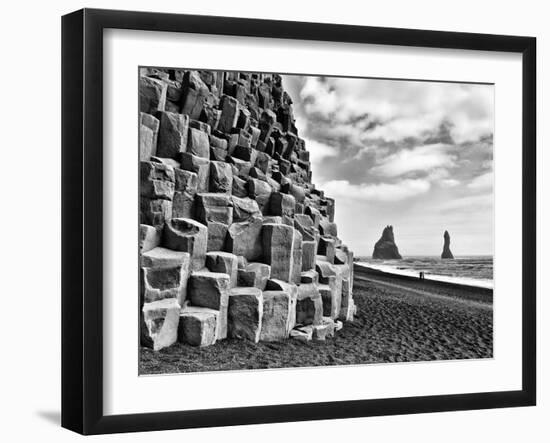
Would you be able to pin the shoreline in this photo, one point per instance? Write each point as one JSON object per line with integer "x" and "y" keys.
{"x": 463, "y": 281}
{"x": 451, "y": 289}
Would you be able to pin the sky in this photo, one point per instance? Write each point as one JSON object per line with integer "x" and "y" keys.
{"x": 415, "y": 155}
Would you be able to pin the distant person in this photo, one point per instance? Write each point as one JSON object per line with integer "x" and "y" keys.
{"x": 421, "y": 275}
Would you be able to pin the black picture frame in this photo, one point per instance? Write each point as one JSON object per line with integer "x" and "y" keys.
{"x": 82, "y": 218}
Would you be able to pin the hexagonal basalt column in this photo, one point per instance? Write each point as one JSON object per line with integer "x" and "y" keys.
{"x": 245, "y": 313}
{"x": 183, "y": 234}
{"x": 211, "y": 290}
{"x": 309, "y": 305}
{"x": 280, "y": 245}
{"x": 225, "y": 263}
{"x": 276, "y": 312}
{"x": 159, "y": 323}
{"x": 197, "y": 326}
{"x": 254, "y": 275}
{"x": 244, "y": 238}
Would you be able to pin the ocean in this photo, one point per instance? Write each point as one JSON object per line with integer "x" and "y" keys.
{"x": 466, "y": 270}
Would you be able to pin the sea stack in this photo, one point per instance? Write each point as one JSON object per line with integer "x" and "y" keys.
{"x": 385, "y": 248}
{"x": 447, "y": 246}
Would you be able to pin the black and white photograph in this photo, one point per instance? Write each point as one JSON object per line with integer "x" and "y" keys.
{"x": 271, "y": 222}
{"x": 296, "y": 221}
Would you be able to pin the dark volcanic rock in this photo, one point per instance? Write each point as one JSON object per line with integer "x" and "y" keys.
{"x": 385, "y": 248}
{"x": 447, "y": 246}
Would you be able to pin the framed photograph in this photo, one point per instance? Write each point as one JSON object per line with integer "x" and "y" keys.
{"x": 269, "y": 221}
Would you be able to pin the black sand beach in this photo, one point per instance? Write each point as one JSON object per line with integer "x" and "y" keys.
{"x": 398, "y": 320}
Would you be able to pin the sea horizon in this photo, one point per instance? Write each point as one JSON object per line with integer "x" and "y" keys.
{"x": 472, "y": 270}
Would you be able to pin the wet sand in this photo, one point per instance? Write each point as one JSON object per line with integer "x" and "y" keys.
{"x": 398, "y": 320}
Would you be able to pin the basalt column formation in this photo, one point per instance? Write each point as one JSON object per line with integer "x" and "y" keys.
{"x": 236, "y": 242}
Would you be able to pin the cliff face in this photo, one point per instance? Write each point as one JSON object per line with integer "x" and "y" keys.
{"x": 446, "y": 246}
{"x": 235, "y": 239}
{"x": 385, "y": 248}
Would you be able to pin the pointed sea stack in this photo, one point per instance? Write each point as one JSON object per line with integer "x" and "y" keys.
{"x": 447, "y": 246}
{"x": 385, "y": 248}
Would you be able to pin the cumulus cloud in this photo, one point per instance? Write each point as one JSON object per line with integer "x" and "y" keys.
{"x": 378, "y": 152}
{"x": 420, "y": 158}
{"x": 380, "y": 192}
{"x": 319, "y": 151}
{"x": 449, "y": 183}
{"x": 482, "y": 182}
{"x": 438, "y": 174}
{"x": 395, "y": 110}
{"x": 319, "y": 98}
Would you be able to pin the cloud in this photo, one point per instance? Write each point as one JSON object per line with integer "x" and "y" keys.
{"x": 441, "y": 177}
{"x": 319, "y": 151}
{"x": 381, "y": 192}
{"x": 469, "y": 204}
{"x": 422, "y": 158}
{"x": 318, "y": 98}
{"x": 395, "y": 110}
{"x": 417, "y": 155}
{"x": 438, "y": 174}
{"x": 377, "y": 151}
{"x": 449, "y": 183}
{"x": 487, "y": 164}
{"x": 482, "y": 182}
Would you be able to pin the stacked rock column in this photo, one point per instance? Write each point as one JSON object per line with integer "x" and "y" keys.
{"x": 235, "y": 239}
